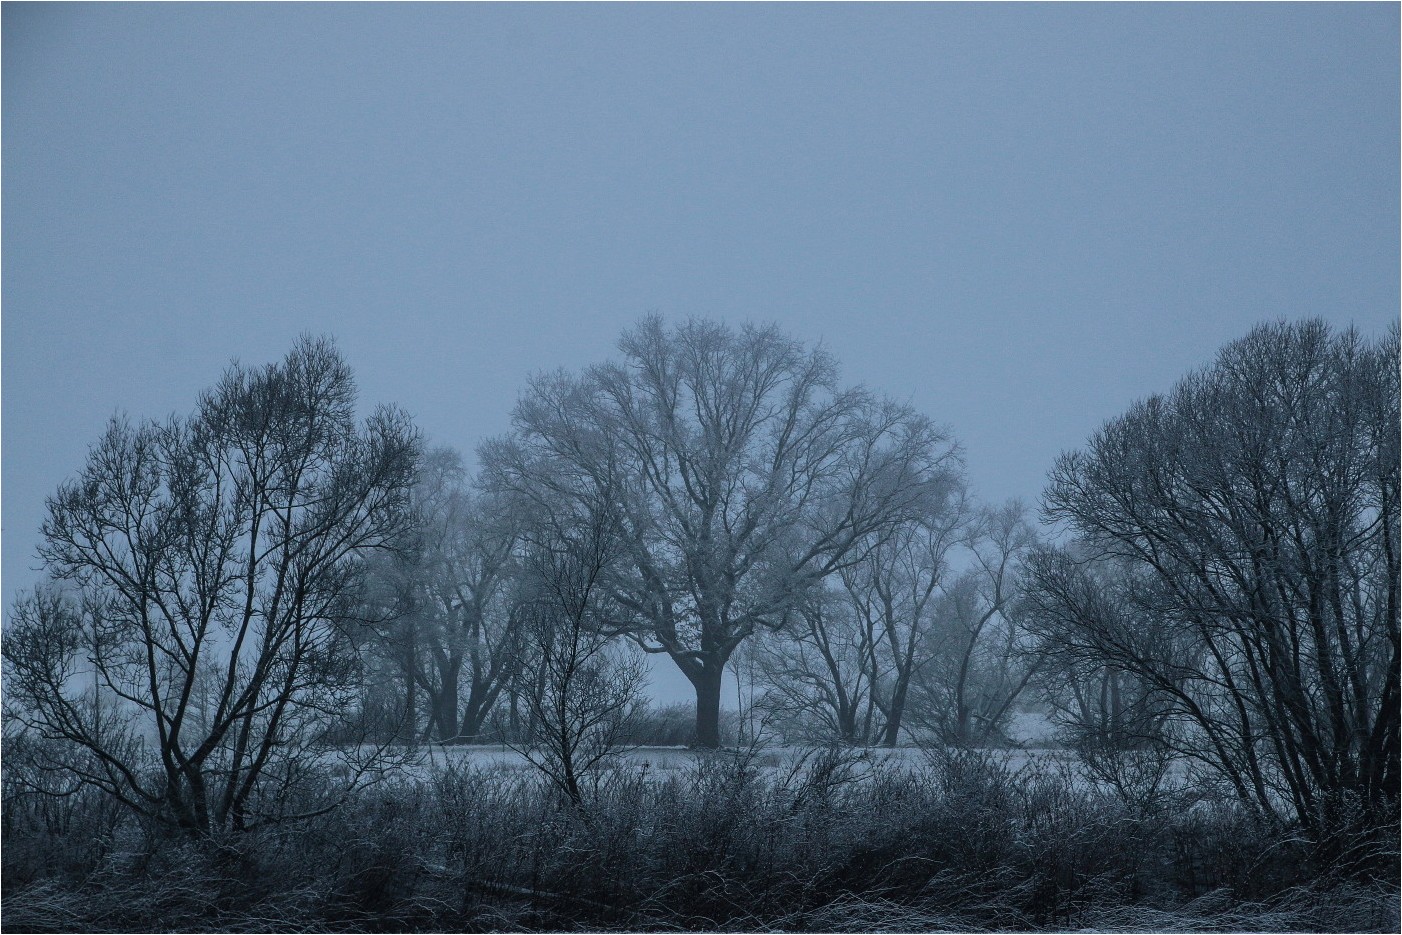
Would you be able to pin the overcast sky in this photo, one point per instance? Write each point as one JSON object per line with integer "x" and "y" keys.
{"x": 1020, "y": 219}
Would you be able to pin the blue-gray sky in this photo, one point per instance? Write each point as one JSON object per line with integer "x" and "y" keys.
{"x": 1018, "y": 218}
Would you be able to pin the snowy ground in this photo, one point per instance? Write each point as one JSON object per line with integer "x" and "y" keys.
{"x": 666, "y": 760}
{"x": 1031, "y": 730}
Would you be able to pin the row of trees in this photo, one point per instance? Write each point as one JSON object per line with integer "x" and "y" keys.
{"x": 240, "y": 587}
{"x": 751, "y": 500}
{"x": 236, "y": 588}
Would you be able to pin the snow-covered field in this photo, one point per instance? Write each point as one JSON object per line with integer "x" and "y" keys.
{"x": 663, "y": 761}
{"x": 1032, "y": 731}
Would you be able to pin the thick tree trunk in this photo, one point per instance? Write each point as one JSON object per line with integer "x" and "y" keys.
{"x": 891, "y": 733}
{"x": 445, "y": 706}
{"x": 474, "y": 722}
{"x": 707, "y": 685}
{"x": 847, "y": 726}
{"x": 961, "y": 724}
{"x": 481, "y": 699}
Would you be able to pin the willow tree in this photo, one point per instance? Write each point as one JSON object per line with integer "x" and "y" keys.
{"x": 741, "y": 473}
{"x": 201, "y": 639}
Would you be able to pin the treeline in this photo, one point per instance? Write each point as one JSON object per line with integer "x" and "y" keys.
{"x": 907, "y": 635}
{"x": 254, "y": 608}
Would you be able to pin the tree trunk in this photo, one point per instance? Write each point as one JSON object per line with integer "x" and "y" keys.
{"x": 892, "y": 732}
{"x": 409, "y": 727}
{"x": 707, "y": 685}
{"x": 847, "y": 725}
{"x": 481, "y": 699}
{"x": 474, "y": 722}
{"x": 445, "y": 705}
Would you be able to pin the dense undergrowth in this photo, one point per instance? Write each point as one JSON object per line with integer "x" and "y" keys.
{"x": 732, "y": 843}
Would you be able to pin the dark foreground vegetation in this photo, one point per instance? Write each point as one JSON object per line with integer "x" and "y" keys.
{"x": 749, "y": 841}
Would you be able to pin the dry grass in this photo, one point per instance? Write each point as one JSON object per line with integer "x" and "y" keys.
{"x": 832, "y": 841}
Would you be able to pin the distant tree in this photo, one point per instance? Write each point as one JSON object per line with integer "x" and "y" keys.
{"x": 457, "y": 634}
{"x": 1254, "y": 510}
{"x": 202, "y": 639}
{"x": 744, "y": 475}
{"x": 978, "y": 664}
{"x": 845, "y": 663}
{"x": 895, "y": 590}
{"x": 816, "y": 674}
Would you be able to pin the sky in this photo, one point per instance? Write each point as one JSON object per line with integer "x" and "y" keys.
{"x": 1017, "y": 218}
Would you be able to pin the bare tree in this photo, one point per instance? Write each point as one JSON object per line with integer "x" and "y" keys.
{"x": 845, "y": 662}
{"x": 457, "y": 635}
{"x": 1098, "y": 706}
{"x": 742, "y": 472}
{"x": 816, "y": 672}
{"x": 1255, "y": 509}
{"x": 895, "y": 591}
{"x": 979, "y": 664}
{"x": 584, "y": 687}
{"x": 202, "y": 644}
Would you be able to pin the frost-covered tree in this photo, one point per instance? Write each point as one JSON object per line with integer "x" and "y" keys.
{"x": 846, "y": 662}
{"x": 741, "y": 471}
{"x": 583, "y": 688}
{"x": 457, "y": 634}
{"x": 203, "y": 636}
{"x": 1254, "y": 512}
{"x": 978, "y": 662}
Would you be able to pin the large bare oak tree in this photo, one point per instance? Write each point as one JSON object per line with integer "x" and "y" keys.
{"x": 741, "y": 471}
